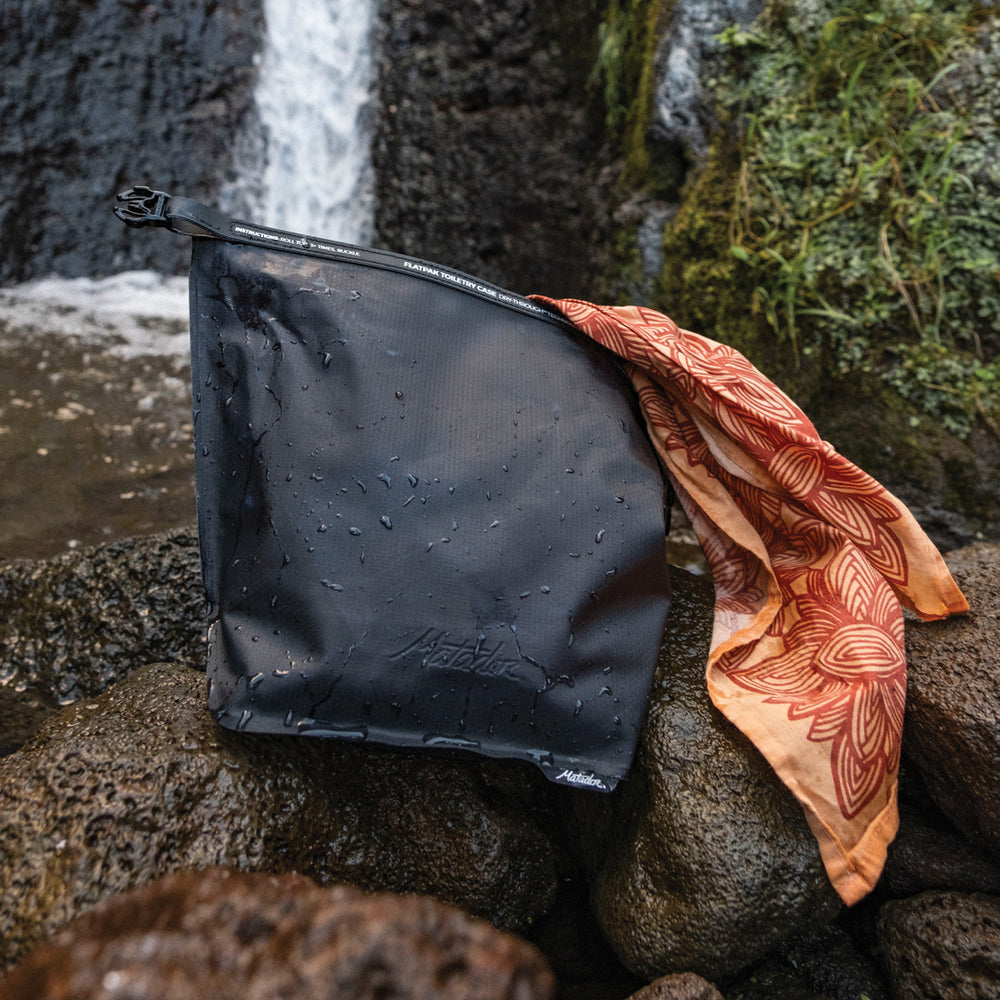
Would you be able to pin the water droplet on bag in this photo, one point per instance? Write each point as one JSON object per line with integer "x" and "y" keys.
{"x": 354, "y": 531}
{"x": 331, "y": 585}
{"x": 599, "y": 537}
{"x": 399, "y": 394}
{"x": 412, "y": 479}
{"x": 254, "y": 681}
{"x": 545, "y": 589}
{"x": 382, "y": 477}
{"x": 244, "y": 720}
{"x": 385, "y": 522}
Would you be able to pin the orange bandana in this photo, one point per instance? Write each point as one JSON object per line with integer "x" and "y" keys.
{"x": 810, "y": 558}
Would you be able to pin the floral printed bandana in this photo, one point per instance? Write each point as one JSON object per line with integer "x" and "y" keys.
{"x": 810, "y": 557}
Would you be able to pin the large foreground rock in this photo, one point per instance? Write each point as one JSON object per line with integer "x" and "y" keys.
{"x": 702, "y": 861}
{"x": 952, "y": 731}
{"x": 141, "y": 781}
{"x": 225, "y": 934}
{"x": 942, "y": 946}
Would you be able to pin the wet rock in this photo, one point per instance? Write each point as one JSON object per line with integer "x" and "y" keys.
{"x": 942, "y": 946}
{"x": 221, "y": 933}
{"x": 929, "y": 853}
{"x": 141, "y": 781}
{"x": 689, "y": 54}
{"x": 74, "y": 624}
{"x": 680, "y": 986}
{"x": 830, "y": 964}
{"x": 486, "y": 151}
{"x": 21, "y": 714}
{"x": 101, "y": 95}
{"x": 952, "y": 727}
{"x": 702, "y": 861}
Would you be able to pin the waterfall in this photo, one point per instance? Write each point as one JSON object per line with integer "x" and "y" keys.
{"x": 313, "y": 96}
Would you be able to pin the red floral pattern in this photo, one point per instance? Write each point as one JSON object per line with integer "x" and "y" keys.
{"x": 810, "y": 557}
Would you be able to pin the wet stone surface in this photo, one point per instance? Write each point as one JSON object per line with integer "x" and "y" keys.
{"x": 702, "y": 861}
{"x": 141, "y": 782}
{"x": 73, "y": 624}
{"x": 95, "y": 437}
{"x": 224, "y": 933}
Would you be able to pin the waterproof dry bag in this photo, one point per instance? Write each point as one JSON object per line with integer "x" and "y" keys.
{"x": 428, "y": 509}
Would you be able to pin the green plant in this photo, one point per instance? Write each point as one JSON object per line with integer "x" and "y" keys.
{"x": 866, "y": 212}
{"x": 623, "y": 70}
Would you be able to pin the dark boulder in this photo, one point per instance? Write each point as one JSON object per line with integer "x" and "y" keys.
{"x": 929, "y": 853}
{"x": 73, "y": 624}
{"x": 951, "y": 734}
{"x": 226, "y": 934}
{"x": 942, "y": 946}
{"x": 702, "y": 861}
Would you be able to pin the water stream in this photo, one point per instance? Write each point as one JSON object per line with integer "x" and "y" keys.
{"x": 314, "y": 97}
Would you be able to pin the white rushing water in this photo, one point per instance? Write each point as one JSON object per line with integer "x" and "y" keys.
{"x": 314, "y": 98}
{"x": 128, "y": 314}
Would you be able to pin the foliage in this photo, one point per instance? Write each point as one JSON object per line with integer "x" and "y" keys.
{"x": 623, "y": 69}
{"x": 866, "y": 215}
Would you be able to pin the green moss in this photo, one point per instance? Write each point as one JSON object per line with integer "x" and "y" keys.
{"x": 702, "y": 286}
{"x": 625, "y": 72}
{"x": 863, "y": 218}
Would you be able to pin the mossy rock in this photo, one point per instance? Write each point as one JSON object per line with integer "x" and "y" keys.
{"x": 919, "y": 414}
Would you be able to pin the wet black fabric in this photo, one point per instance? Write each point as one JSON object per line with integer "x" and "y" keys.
{"x": 427, "y": 519}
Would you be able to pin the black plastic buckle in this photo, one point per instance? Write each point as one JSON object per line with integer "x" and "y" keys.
{"x": 142, "y": 206}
